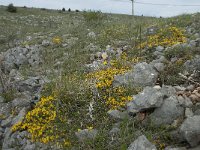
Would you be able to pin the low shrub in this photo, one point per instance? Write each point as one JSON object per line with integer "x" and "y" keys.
{"x": 11, "y": 8}
{"x": 90, "y": 16}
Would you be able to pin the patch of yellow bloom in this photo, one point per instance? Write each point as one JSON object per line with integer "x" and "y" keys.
{"x": 165, "y": 37}
{"x": 104, "y": 78}
{"x": 57, "y": 40}
{"x": 39, "y": 122}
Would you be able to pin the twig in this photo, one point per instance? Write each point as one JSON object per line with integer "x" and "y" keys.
{"x": 186, "y": 78}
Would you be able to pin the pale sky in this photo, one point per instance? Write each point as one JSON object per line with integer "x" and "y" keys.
{"x": 115, "y": 6}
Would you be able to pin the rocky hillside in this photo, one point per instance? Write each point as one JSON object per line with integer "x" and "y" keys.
{"x": 88, "y": 80}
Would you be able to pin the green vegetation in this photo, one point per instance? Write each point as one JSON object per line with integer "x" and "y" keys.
{"x": 11, "y": 8}
{"x": 70, "y": 91}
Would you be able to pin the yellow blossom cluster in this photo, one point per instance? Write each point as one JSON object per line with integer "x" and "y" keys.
{"x": 104, "y": 78}
{"x": 39, "y": 122}
{"x": 117, "y": 97}
{"x": 57, "y": 40}
{"x": 165, "y": 37}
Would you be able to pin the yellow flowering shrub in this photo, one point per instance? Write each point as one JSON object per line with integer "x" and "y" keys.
{"x": 40, "y": 122}
{"x": 165, "y": 37}
{"x": 57, "y": 40}
{"x": 104, "y": 78}
{"x": 114, "y": 97}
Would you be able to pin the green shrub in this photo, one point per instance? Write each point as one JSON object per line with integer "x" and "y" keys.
{"x": 11, "y": 8}
{"x": 90, "y": 16}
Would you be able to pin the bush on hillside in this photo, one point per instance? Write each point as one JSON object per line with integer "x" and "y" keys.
{"x": 92, "y": 16}
{"x": 11, "y": 8}
{"x": 63, "y": 9}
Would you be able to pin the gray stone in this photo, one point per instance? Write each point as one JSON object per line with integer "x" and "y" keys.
{"x": 188, "y": 112}
{"x": 159, "y": 66}
{"x": 161, "y": 59}
{"x": 190, "y": 87}
{"x": 142, "y": 143}
{"x": 152, "y": 30}
{"x": 46, "y": 43}
{"x": 177, "y": 148}
{"x": 193, "y": 43}
{"x": 2, "y": 99}
{"x": 19, "y": 117}
{"x": 149, "y": 98}
{"x": 116, "y": 114}
{"x": 159, "y": 48}
{"x": 30, "y": 147}
{"x": 15, "y": 76}
{"x": 174, "y": 59}
{"x": 168, "y": 112}
{"x": 32, "y": 84}
{"x": 21, "y": 102}
{"x": 195, "y": 148}
{"x": 6, "y": 122}
{"x": 192, "y": 65}
{"x": 179, "y": 88}
{"x": 91, "y": 35}
{"x": 158, "y": 54}
{"x": 185, "y": 101}
{"x": 114, "y": 130}
{"x": 190, "y": 129}
{"x": 5, "y": 109}
{"x": 7, "y": 141}
{"x": 142, "y": 75}
{"x": 86, "y": 134}
{"x": 197, "y": 35}
{"x": 168, "y": 91}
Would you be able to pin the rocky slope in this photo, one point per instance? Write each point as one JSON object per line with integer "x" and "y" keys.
{"x": 167, "y": 98}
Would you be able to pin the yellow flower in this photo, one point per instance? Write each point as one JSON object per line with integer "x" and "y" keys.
{"x": 79, "y": 130}
{"x": 105, "y": 63}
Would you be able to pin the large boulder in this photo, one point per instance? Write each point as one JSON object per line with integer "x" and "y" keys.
{"x": 190, "y": 129}
{"x": 142, "y": 143}
{"x": 168, "y": 112}
{"x": 149, "y": 98}
{"x": 142, "y": 75}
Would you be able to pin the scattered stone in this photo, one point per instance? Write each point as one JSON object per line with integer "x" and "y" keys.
{"x": 46, "y": 43}
{"x": 142, "y": 143}
{"x": 168, "y": 91}
{"x": 116, "y": 114}
{"x": 190, "y": 87}
{"x": 86, "y": 134}
{"x": 159, "y": 67}
{"x": 142, "y": 75}
{"x": 185, "y": 101}
{"x": 19, "y": 117}
{"x": 7, "y": 122}
{"x": 2, "y": 99}
{"x": 148, "y": 99}
{"x": 179, "y": 88}
{"x": 5, "y": 109}
{"x": 195, "y": 148}
{"x": 190, "y": 129}
{"x": 177, "y": 148}
{"x": 91, "y": 35}
{"x": 160, "y": 48}
{"x": 168, "y": 112}
{"x": 157, "y": 87}
{"x": 192, "y": 65}
{"x": 188, "y": 112}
